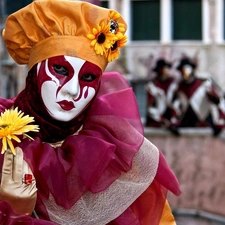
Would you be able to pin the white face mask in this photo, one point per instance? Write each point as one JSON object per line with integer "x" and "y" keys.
{"x": 187, "y": 71}
{"x": 67, "y": 85}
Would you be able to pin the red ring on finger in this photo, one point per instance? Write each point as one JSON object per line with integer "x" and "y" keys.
{"x": 28, "y": 178}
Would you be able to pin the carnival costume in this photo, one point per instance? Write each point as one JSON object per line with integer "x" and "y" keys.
{"x": 160, "y": 94}
{"x": 97, "y": 168}
{"x": 197, "y": 102}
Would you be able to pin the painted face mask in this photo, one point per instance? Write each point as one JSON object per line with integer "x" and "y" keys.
{"x": 187, "y": 71}
{"x": 67, "y": 85}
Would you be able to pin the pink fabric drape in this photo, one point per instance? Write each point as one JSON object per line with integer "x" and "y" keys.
{"x": 111, "y": 135}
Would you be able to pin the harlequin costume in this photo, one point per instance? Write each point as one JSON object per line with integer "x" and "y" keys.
{"x": 98, "y": 168}
{"x": 197, "y": 102}
{"x": 160, "y": 95}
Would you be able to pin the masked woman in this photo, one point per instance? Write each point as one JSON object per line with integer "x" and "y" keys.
{"x": 89, "y": 162}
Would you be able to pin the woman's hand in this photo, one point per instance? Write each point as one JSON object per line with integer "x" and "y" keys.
{"x": 18, "y": 185}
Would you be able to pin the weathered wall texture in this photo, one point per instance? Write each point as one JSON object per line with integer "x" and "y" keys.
{"x": 199, "y": 164}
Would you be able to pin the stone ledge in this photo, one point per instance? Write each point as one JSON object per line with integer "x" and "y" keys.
{"x": 183, "y": 131}
{"x": 197, "y": 217}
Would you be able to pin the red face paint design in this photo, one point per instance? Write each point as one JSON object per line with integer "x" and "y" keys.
{"x": 67, "y": 85}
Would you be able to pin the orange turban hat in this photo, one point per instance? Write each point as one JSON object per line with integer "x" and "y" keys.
{"x": 47, "y": 28}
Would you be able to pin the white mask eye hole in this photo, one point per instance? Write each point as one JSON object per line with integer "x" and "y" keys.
{"x": 62, "y": 70}
{"x": 88, "y": 77}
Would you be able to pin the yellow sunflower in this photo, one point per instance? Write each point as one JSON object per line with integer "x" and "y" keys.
{"x": 102, "y": 38}
{"x": 121, "y": 27}
{"x": 13, "y": 123}
{"x": 114, "y": 50}
{"x": 114, "y": 15}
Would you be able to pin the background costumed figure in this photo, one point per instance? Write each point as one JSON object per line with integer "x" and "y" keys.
{"x": 197, "y": 101}
{"x": 160, "y": 95}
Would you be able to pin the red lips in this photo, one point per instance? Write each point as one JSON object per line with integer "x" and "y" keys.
{"x": 66, "y": 105}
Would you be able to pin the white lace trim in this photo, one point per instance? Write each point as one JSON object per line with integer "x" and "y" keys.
{"x": 103, "y": 207}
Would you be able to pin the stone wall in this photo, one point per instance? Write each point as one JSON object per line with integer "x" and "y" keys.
{"x": 198, "y": 160}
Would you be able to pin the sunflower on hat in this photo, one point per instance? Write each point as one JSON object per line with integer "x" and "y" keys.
{"x": 107, "y": 39}
{"x": 102, "y": 38}
{"x": 114, "y": 51}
